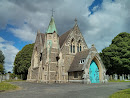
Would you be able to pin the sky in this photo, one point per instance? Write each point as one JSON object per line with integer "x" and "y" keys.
{"x": 99, "y": 21}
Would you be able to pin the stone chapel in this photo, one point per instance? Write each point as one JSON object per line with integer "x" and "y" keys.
{"x": 65, "y": 58}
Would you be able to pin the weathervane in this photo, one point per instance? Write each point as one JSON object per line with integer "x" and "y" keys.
{"x": 52, "y": 11}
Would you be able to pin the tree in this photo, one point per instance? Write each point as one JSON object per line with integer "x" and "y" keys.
{"x": 2, "y": 62}
{"x": 23, "y": 61}
{"x": 116, "y": 57}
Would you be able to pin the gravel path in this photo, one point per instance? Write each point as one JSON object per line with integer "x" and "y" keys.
{"x": 69, "y": 90}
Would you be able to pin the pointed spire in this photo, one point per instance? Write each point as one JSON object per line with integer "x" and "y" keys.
{"x": 52, "y": 26}
{"x": 75, "y": 22}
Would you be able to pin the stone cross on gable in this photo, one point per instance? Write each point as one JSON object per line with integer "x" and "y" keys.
{"x": 52, "y": 11}
{"x": 75, "y": 20}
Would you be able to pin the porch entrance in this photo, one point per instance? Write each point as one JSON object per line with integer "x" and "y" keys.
{"x": 94, "y": 72}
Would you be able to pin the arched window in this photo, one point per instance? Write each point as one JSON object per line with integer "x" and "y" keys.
{"x": 72, "y": 46}
{"x": 40, "y": 56}
{"x": 79, "y": 48}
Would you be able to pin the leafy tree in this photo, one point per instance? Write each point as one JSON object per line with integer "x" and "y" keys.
{"x": 23, "y": 61}
{"x": 2, "y": 62}
{"x": 1, "y": 68}
{"x": 116, "y": 57}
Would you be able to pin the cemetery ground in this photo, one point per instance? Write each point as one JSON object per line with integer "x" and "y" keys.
{"x": 66, "y": 90}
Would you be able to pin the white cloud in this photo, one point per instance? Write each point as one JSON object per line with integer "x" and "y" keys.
{"x": 9, "y": 52}
{"x": 37, "y": 15}
{"x": 25, "y": 33}
{"x": 99, "y": 28}
{"x": 106, "y": 23}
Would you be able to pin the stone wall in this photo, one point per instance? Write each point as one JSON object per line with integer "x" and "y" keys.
{"x": 35, "y": 73}
{"x": 79, "y": 75}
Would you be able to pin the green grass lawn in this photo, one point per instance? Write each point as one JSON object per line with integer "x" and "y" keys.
{"x": 121, "y": 94}
{"x": 118, "y": 81}
{"x": 4, "y": 86}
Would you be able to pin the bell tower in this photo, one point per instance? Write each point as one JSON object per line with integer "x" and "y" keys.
{"x": 52, "y": 51}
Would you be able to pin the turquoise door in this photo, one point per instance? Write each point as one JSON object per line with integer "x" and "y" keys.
{"x": 94, "y": 73}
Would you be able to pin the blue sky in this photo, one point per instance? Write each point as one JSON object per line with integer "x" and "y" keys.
{"x": 9, "y": 36}
{"x": 99, "y": 21}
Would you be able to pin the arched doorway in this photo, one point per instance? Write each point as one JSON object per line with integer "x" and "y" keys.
{"x": 94, "y": 72}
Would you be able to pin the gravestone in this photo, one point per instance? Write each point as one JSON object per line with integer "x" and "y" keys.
{"x": 110, "y": 77}
{"x": 107, "y": 77}
{"x": 115, "y": 76}
{"x": 7, "y": 76}
{"x": 3, "y": 77}
{"x": 123, "y": 77}
{"x": 128, "y": 76}
{"x": 16, "y": 78}
{"x": 120, "y": 77}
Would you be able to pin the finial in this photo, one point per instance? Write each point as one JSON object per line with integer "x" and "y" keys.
{"x": 52, "y": 11}
{"x": 75, "y": 21}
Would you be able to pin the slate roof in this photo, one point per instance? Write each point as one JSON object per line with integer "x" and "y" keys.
{"x": 75, "y": 66}
{"x": 63, "y": 37}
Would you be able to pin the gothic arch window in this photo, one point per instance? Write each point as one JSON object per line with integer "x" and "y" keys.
{"x": 79, "y": 48}
{"x": 40, "y": 56}
{"x": 72, "y": 46}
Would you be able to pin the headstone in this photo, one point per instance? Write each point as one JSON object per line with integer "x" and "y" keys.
{"x": 106, "y": 80}
{"x": 120, "y": 77}
{"x": 7, "y": 76}
{"x": 110, "y": 77}
{"x": 16, "y": 78}
{"x": 128, "y": 76}
{"x": 3, "y": 77}
{"x": 115, "y": 76}
{"x": 123, "y": 77}
{"x": 107, "y": 77}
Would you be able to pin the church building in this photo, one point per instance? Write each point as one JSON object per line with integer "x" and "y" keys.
{"x": 65, "y": 58}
